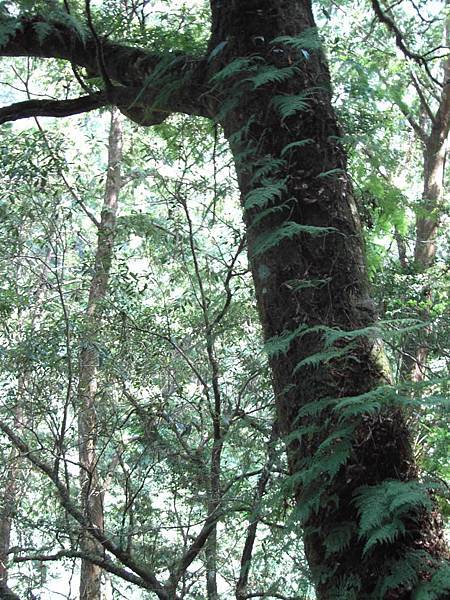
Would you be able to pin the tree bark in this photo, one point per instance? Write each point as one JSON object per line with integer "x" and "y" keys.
{"x": 307, "y": 260}
{"x": 91, "y": 487}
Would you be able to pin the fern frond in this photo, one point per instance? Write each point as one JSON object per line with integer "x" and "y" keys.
{"x": 236, "y": 66}
{"x": 266, "y": 213}
{"x": 280, "y": 344}
{"x": 288, "y": 230}
{"x": 298, "y": 144}
{"x": 267, "y": 166}
{"x": 271, "y": 74}
{"x": 318, "y": 358}
{"x": 436, "y": 589}
{"x": 290, "y": 105}
{"x": 8, "y": 27}
{"x": 403, "y": 572}
{"x": 308, "y": 40}
{"x": 382, "y": 509}
{"x": 339, "y": 537}
{"x": 260, "y": 197}
{"x": 387, "y": 533}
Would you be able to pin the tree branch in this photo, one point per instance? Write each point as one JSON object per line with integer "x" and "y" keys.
{"x": 53, "y": 108}
{"x": 399, "y": 40}
{"x": 152, "y": 75}
{"x": 148, "y": 578}
{"x": 104, "y": 563}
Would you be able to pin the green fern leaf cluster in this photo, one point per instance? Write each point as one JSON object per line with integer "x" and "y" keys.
{"x": 289, "y": 229}
{"x": 265, "y": 167}
{"x": 294, "y": 145}
{"x": 280, "y": 344}
{"x": 290, "y": 105}
{"x": 271, "y": 74}
{"x": 236, "y": 66}
{"x": 260, "y": 197}
{"x": 339, "y": 537}
{"x": 308, "y": 40}
{"x": 383, "y": 508}
{"x": 8, "y": 27}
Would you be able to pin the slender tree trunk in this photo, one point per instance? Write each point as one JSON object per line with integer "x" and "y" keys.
{"x": 9, "y": 502}
{"x": 91, "y": 488}
{"x": 430, "y": 212}
{"x": 306, "y": 256}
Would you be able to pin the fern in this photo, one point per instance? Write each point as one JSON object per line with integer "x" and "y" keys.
{"x": 271, "y": 74}
{"x": 43, "y": 30}
{"x": 308, "y": 40}
{"x": 330, "y": 173}
{"x": 339, "y": 537}
{"x": 280, "y": 344}
{"x": 8, "y": 27}
{"x": 402, "y": 572}
{"x": 436, "y": 589}
{"x": 236, "y": 66}
{"x": 267, "y": 166}
{"x": 387, "y": 533}
{"x": 288, "y": 106}
{"x": 318, "y": 358}
{"x": 382, "y": 509}
{"x": 266, "y": 213}
{"x": 59, "y": 15}
{"x": 288, "y": 230}
{"x": 316, "y": 407}
{"x": 369, "y": 402}
{"x": 262, "y": 196}
{"x": 298, "y": 144}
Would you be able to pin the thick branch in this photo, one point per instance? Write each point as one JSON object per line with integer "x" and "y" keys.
{"x": 52, "y": 108}
{"x": 133, "y": 67}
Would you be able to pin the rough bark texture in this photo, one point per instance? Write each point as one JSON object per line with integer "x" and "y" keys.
{"x": 91, "y": 487}
{"x": 333, "y": 288}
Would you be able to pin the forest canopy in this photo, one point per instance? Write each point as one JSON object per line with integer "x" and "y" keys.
{"x": 224, "y": 300}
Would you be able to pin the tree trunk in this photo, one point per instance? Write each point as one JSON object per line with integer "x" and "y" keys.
{"x": 430, "y": 211}
{"x": 91, "y": 488}
{"x": 10, "y": 496}
{"x": 307, "y": 261}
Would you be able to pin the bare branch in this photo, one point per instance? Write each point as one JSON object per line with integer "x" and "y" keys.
{"x": 104, "y": 563}
{"x": 53, "y": 108}
{"x": 399, "y": 40}
{"x": 149, "y": 580}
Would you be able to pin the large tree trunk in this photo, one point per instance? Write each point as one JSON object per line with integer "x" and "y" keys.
{"x": 309, "y": 276}
{"x": 91, "y": 488}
